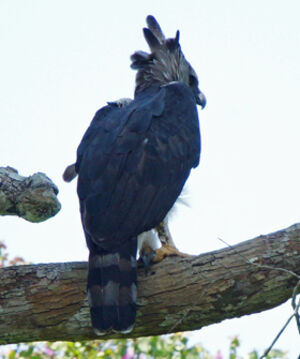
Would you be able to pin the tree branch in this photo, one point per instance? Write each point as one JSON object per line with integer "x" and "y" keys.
{"x": 48, "y": 301}
{"x": 32, "y": 198}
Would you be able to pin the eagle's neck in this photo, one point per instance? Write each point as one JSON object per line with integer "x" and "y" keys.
{"x": 164, "y": 67}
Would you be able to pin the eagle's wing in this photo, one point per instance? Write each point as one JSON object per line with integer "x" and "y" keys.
{"x": 132, "y": 165}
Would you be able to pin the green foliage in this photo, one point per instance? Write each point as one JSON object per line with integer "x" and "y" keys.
{"x": 233, "y": 352}
{"x": 235, "y": 343}
{"x": 168, "y": 347}
{"x": 173, "y": 346}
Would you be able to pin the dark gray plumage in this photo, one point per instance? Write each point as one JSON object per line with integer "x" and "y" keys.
{"x": 132, "y": 164}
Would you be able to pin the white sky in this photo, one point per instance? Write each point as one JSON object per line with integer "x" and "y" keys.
{"x": 62, "y": 60}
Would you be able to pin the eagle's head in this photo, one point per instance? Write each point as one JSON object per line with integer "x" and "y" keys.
{"x": 166, "y": 62}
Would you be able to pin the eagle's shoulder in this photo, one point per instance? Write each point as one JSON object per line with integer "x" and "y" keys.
{"x": 104, "y": 119}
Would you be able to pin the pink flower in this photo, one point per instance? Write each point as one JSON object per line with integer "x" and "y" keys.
{"x": 129, "y": 354}
{"x": 219, "y": 355}
{"x": 48, "y": 351}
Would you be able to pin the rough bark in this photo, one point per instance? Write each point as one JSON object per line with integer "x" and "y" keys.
{"x": 48, "y": 301}
{"x": 32, "y": 198}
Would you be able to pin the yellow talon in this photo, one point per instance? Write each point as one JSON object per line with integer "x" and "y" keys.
{"x": 167, "y": 251}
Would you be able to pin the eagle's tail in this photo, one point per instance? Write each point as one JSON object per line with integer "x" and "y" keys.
{"x": 111, "y": 289}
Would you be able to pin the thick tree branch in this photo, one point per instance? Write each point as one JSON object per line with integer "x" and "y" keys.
{"x": 32, "y": 198}
{"x": 48, "y": 301}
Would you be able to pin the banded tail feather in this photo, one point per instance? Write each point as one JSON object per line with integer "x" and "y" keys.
{"x": 111, "y": 289}
{"x": 132, "y": 162}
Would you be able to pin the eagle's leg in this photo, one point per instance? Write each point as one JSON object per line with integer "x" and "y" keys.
{"x": 147, "y": 243}
{"x": 149, "y": 252}
{"x": 168, "y": 247}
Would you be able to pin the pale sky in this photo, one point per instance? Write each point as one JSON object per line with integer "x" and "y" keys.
{"x": 62, "y": 60}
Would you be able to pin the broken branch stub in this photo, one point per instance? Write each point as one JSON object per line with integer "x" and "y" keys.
{"x": 33, "y": 198}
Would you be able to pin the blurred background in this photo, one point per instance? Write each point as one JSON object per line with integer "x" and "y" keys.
{"x": 62, "y": 60}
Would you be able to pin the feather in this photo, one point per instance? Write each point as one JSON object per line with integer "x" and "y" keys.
{"x": 177, "y": 36}
{"x": 165, "y": 63}
{"x": 155, "y": 28}
{"x": 151, "y": 39}
{"x": 69, "y": 173}
{"x": 140, "y": 59}
{"x": 132, "y": 164}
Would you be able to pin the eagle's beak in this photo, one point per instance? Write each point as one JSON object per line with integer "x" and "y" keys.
{"x": 201, "y": 100}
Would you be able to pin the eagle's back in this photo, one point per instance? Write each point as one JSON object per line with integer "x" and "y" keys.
{"x": 132, "y": 165}
{"x": 135, "y": 163}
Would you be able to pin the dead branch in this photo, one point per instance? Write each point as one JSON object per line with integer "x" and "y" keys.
{"x": 32, "y": 198}
{"x": 48, "y": 301}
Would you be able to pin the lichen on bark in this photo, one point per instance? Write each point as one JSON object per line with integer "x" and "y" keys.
{"x": 33, "y": 198}
{"x": 48, "y": 301}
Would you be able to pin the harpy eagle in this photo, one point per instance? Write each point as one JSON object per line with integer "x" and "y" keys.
{"x": 132, "y": 164}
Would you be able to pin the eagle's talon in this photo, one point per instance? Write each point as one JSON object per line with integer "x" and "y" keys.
{"x": 167, "y": 251}
{"x": 146, "y": 258}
